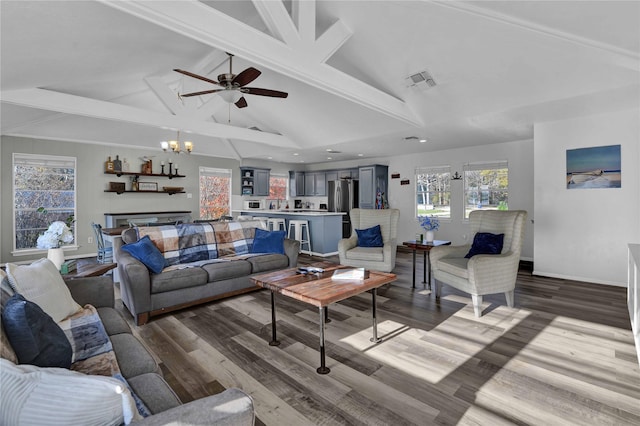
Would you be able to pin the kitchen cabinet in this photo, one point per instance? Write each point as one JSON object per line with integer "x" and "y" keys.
{"x": 315, "y": 184}
{"x": 254, "y": 181}
{"x": 348, "y": 174}
{"x": 332, "y": 175}
{"x": 296, "y": 183}
{"x": 373, "y": 179}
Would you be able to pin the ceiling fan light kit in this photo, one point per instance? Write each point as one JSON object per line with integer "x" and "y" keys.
{"x": 233, "y": 86}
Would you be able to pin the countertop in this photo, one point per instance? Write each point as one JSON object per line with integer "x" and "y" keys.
{"x": 295, "y": 212}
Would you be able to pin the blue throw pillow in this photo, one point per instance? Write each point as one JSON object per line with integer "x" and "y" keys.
{"x": 146, "y": 252}
{"x": 268, "y": 241}
{"x": 486, "y": 243}
{"x": 35, "y": 337}
{"x": 370, "y": 237}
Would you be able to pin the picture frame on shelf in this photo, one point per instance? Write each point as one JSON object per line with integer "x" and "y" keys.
{"x": 148, "y": 186}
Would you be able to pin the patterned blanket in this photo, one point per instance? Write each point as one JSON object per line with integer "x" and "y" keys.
{"x": 193, "y": 242}
{"x": 92, "y": 350}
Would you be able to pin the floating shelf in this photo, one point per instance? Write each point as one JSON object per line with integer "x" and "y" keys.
{"x": 144, "y": 174}
{"x": 146, "y": 192}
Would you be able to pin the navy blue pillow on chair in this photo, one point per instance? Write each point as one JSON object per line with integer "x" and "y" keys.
{"x": 268, "y": 241}
{"x": 35, "y": 337}
{"x": 486, "y": 243}
{"x": 146, "y": 252}
{"x": 370, "y": 237}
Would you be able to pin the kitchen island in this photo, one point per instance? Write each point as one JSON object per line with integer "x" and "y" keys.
{"x": 326, "y": 227}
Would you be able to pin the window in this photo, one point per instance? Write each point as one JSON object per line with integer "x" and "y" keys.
{"x": 486, "y": 186}
{"x": 215, "y": 193}
{"x": 433, "y": 191}
{"x": 41, "y": 181}
{"x": 278, "y": 187}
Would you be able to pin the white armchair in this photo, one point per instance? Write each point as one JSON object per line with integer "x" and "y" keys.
{"x": 483, "y": 273}
{"x": 373, "y": 258}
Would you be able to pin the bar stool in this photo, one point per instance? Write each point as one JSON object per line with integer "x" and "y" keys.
{"x": 277, "y": 224}
{"x": 263, "y": 221}
{"x": 298, "y": 226}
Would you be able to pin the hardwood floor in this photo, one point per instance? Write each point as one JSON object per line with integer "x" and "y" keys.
{"x": 565, "y": 355}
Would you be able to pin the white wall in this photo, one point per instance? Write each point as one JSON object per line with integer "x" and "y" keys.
{"x": 519, "y": 155}
{"x": 582, "y": 234}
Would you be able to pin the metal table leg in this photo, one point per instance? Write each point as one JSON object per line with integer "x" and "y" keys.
{"x": 375, "y": 338}
{"x": 323, "y": 369}
{"x": 414, "y": 268}
{"x": 274, "y": 341}
{"x": 327, "y": 320}
{"x": 424, "y": 267}
{"x": 427, "y": 265}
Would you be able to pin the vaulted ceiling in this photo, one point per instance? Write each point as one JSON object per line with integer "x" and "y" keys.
{"x": 101, "y": 72}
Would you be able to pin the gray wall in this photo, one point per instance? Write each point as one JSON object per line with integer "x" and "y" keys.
{"x": 92, "y": 201}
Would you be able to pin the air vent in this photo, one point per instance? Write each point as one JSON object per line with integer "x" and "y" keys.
{"x": 422, "y": 80}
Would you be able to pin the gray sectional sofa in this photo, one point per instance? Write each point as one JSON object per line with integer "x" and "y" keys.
{"x": 203, "y": 262}
{"x": 136, "y": 365}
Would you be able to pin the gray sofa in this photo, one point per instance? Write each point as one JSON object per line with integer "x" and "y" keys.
{"x": 223, "y": 267}
{"x": 139, "y": 368}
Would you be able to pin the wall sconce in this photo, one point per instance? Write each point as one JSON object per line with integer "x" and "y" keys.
{"x": 175, "y": 145}
{"x": 456, "y": 176}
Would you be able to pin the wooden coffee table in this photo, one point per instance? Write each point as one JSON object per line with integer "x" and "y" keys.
{"x": 320, "y": 290}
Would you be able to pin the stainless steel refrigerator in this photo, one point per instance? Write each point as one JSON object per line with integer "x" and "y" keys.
{"x": 343, "y": 196}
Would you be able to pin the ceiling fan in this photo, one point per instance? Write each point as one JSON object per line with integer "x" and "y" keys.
{"x": 233, "y": 86}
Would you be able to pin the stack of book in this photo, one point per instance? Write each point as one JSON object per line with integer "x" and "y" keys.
{"x": 69, "y": 266}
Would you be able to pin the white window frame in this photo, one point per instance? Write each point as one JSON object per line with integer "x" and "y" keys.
{"x": 471, "y": 167}
{"x": 45, "y": 161}
{"x": 432, "y": 170}
{"x": 212, "y": 171}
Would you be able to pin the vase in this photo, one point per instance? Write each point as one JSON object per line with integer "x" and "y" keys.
{"x": 56, "y": 255}
{"x": 429, "y": 236}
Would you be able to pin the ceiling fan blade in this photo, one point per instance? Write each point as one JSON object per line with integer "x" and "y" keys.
{"x": 204, "y": 92}
{"x": 199, "y": 77}
{"x": 264, "y": 92}
{"x": 246, "y": 76}
{"x": 242, "y": 102}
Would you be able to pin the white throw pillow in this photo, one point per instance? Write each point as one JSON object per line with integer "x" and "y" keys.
{"x": 55, "y": 396}
{"x": 42, "y": 284}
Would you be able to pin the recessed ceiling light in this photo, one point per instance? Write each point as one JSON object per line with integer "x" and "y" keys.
{"x": 328, "y": 158}
{"x": 270, "y": 158}
{"x": 295, "y": 153}
{"x": 360, "y": 155}
{"x": 302, "y": 161}
{"x": 423, "y": 140}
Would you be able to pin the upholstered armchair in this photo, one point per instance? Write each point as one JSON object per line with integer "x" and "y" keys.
{"x": 482, "y": 273}
{"x": 373, "y": 258}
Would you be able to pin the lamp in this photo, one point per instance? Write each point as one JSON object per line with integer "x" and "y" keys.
{"x": 175, "y": 146}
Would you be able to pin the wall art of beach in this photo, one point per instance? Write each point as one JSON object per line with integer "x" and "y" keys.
{"x": 597, "y": 167}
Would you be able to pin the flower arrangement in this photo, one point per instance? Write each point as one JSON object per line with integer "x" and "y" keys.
{"x": 57, "y": 235}
{"x": 429, "y": 223}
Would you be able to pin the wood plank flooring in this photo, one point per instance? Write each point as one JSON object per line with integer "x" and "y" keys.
{"x": 564, "y": 355}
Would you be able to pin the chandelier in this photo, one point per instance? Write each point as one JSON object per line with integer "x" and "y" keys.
{"x": 175, "y": 145}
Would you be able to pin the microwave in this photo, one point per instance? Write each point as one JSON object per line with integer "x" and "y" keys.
{"x": 253, "y": 205}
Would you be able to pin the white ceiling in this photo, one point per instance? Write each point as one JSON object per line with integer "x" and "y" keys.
{"x": 101, "y": 72}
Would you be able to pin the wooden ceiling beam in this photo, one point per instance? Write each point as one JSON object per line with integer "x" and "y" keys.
{"x": 80, "y": 106}
{"x": 209, "y": 26}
